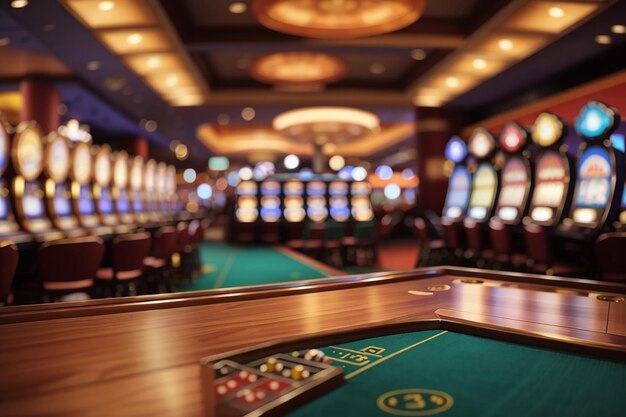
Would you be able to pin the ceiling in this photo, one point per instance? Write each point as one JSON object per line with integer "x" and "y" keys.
{"x": 386, "y": 74}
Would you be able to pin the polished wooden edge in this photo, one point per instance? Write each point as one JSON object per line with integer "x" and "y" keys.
{"x": 313, "y": 263}
{"x": 15, "y": 314}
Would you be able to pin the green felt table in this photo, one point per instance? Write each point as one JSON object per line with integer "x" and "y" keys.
{"x": 440, "y": 372}
{"x": 227, "y": 266}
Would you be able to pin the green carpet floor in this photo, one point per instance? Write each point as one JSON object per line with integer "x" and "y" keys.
{"x": 227, "y": 265}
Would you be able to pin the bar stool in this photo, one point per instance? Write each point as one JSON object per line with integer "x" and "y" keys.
{"x": 610, "y": 257}
{"x": 454, "y": 241}
{"x": 128, "y": 254}
{"x": 158, "y": 264}
{"x": 539, "y": 250}
{"x": 67, "y": 267}
{"x": 9, "y": 257}
{"x": 503, "y": 247}
{"x": 477, "y": 244}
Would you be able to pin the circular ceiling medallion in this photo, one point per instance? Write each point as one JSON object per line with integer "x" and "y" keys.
{"x": 320, "y": 125}
{"x": 337, "y": 18}
{"x": 298, "y": 68}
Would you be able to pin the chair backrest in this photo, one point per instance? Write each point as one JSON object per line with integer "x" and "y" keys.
{"x": 610, "y": 255}
{"x": 9, "y": 257}
{"x": 164, "y": 243}
{"x": 421, "y": 230}
{"x": 129, "y": 251}
{"x": 451, "y": 234}
{"x": 475, "y": 241}
{"x": 385, "y": 226}
{"x": 500, "y": 237}
{"x": 297, "y": 230}
{"x": 69, "y": 261}
{"x": 538, "y": 244}
{"x": 333, "y": 230}
{"x": 196, "y": 231}
{"x": 182, "y": 236}
{"x": 365, "y": 230}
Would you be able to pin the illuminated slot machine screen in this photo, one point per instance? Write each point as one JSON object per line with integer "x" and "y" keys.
{"x": 515, "y": 181}
{"x": 161, "y": 185}
{"x": 4, "y": 160}
{"x": 270, "y": 201}
{"x": 85, "y": 201}
{"x": 81, "y": 173}
{"x": 62, "y": 203}
{"x": 339, "y": 203}
{"x": 550, "y": 187}
{"x": 622, "y": 215}
{"x": 136, "y": 181}
{"x": 247, "y": 209}
{"x": 294, "y": 202}
{"x": 593, "y": 187}
{"x": 483, "y": 192}
{"x": 149, "y": 185}
{"x": 458, "y": 195}
{"x": 361, "y": 204}
{"x": 105, "y": 201}
{"x": 32, "y": 201}
{"x": 316, "y": 201}
{"x": 120, "y": 180}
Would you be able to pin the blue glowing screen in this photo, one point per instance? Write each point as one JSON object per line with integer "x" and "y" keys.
{"x": 594, "y": 178}
{"x": 595, "y": 120}
{"x": 456, "y": 150}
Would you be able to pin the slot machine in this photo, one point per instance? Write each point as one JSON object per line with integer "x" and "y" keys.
{"x": 149, "y": 186}
{"x": 360, "y": 201}
{"x": 102, "y": 191}
{"x": 170, "y": 189}
{"x": 338, "y": 202}
{"x": 160, "y": 184}
{"x": 121, "y": 195}
{"x": 316, "y": 201}
{"x": 459, "y": 184}
{"x": 136, "y": 175}
{"x": 57, "y": 187}
{"x": 9, "y": 229}
{"x": 552, "y": 177}
{"x": 270, "y": 201}
{"x": 599, "y": 169}
{"x": 515, "y": 176}
{"x": 294, "y": 202}
{"x": 247, "y": 210}
{"x": 27, "y": 152}
{"x": 481, "y": 146}
{"x": 81, "y": 173}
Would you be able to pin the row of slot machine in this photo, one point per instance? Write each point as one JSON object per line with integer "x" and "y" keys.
{"x": 292, "y": 199}
{"x": 51, "y": 188}
{"x": 580, "y": 197}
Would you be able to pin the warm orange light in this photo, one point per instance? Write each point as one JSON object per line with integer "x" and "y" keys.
{"x": 134, "y": 39}
{"x": 18, "y": 4}
{"x": 479, "y": 64}
{"x": 556, "y": 12}
{"x": 106, "y": 6}
{"x": 505, "y": 44}
{"x": 337, "y": 18}
{"x": 301, "y": 68}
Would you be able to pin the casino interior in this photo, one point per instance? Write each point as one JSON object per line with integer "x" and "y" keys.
{"x": 312, "y": 207}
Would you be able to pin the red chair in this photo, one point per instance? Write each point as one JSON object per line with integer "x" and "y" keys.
{"x": 432, "y": 251}
{"x": 197, "y": 230}
{"x": 270, "y": 233}
{"x": 610, "y": 256}
{"x": 9, "y": 257}
{"x": 128, "y": 254}
{"x": 503, "y": 248}
{"x": 158, "y": 264}
{"x": 539, "y": 250}
{"x": 477, "y": 244}
{"x": 454, "y": 241}
{"x": 297, "y": 233}
{"x": 67, "y": 267}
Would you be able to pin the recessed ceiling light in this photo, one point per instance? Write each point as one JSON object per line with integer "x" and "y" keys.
{"x": 171, "y": 80}
{"x": 150, "y": 125}
{"x": 505, "y": 44}
{"x": 237, "y": 7}
{"x": 619, "y": 29}
{"x": 4, "y": 41}
{"x": 377, "y": 69}
{"x": 134, "y": 39}
{"x": 603, "y": 39}
{"x": 418, "y": 54}
{"x": 556, "y": 12}
{"x": 452, "y": 82}
{"x": 18, "y": 4}
{"x": 479, "y": 64}
{"x": 106, "y": 6}
{"x": 93, "y": 65}
{"x": 153, "y": 62}
{"x": 248, "y": 113}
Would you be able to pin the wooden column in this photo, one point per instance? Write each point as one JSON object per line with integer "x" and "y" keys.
{"x": 136, "y": 146}
{"x": 41, "y": 101}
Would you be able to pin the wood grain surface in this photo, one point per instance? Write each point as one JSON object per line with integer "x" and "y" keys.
{"x": 145, "y": 360}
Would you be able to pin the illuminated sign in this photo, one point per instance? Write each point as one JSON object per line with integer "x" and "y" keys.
{"x": 456, "y": 150}
{"x": 596, "y": 120}
{"x": 547, "y": 130}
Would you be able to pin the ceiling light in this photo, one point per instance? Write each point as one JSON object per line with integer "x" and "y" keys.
{"x": 291, "y": 161}
{"x": 4, "y": 41}
{"x": 297, "y": 68}
{"x": 377, "y": 69}
{"x": 248, "y": 113}
{"x": 181, "y": 152}
{"x": 336, "y": 162}
{"x": 556, "y": 12}
{"x": 106, "y": 6}
{"x": 237, "y": 7}
{"x": 134, "y": 39}
{"x": 603, "y": 39}
{"x": 418, "y": 54}
{"x": 153, "y": 62}
{"x": 452, "y": 82}
{"x": 619, "y": 29}
{"x": 93, "y": 65}
{"x": 505, "y": 44}
{"x": 479, "y": 64}
{"x": 150, "y": 125}
{"x": 171, "y": 80}
{"x": 189, "y": 175}
{"x": 18, "y": 4}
